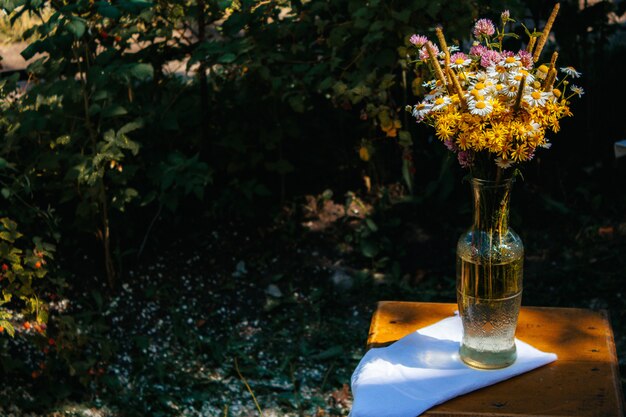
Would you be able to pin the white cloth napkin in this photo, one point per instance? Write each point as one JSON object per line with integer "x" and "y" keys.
{"x": 423, "y": 369}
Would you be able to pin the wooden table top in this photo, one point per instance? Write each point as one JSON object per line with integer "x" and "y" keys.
{"x": 583, "y": 382}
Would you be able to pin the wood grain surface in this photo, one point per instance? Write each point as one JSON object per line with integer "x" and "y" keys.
{"x": 583, "y": 382}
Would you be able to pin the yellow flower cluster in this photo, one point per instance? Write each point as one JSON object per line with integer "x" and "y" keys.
{"x": 493, "y": 100}
{"x": 510, "y": 135}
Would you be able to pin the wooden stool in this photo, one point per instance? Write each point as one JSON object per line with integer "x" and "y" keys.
{"x": 584, "y": 381}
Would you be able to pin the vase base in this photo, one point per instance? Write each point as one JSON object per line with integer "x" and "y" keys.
{"x": 487, "y": 360}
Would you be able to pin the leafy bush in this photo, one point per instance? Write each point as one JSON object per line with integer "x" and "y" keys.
{"x": 19, "y": 269}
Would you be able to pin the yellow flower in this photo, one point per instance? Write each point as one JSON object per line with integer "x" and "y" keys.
{"x": 519, "y": 153}
{"x": 477, "y": 140}
{"x": 505, "y": 150}
{"x": 462, "y": 141}
{"x": 542, "y": 71}
{"x": 364, "y": 153}
{"x": 450, "y": 118}
{"x": 444, "y": 131}
{"x": 389, "y": 126}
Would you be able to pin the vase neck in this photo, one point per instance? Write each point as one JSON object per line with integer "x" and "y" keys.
{"x": 491, "y": 204}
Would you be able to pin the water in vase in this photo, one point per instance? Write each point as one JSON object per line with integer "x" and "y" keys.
{"x": 489, "y": 298}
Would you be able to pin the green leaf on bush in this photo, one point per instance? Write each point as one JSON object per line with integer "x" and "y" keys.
{"x": 142, "y": 71}
{"x": 76, "y": 27}
{"x": 297, "y": 103}
{"x": 370, "y": 223}
{"x": 404, "y": 138}
{"x": 402, "y": 16}
{"x": 227, "y": 58}
{"x": 8, "y": 327}
{"x": 107, "y": 10}
{"x": 113, "y": 110}
{"x": 10, "y": 233}
{"x": 61, "y": 140}
{"x": 125, "y": 143}
{"x": 135, "y": 6}
{"x": 9, "y": 5}
{"x": 129, "y": 127}
{"x": 369, "y": 248}
{"x": 32, "y": 49}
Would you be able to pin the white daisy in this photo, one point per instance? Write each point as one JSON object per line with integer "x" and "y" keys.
{"x": 421, "y": 110}
{"x": 441, "y": 103}
{"x": 577, "y": 90}
{"x": 498, "y": 72}
{"x": 453, "y": 48}
{"x": 480, "y": 107}
{"x": 430, "y": 84}
{"x": 510, "y": 90}
{"x": 504, "y": 163}
{"x": 460, "y": 63}
{"x": 479, "y": 87}
{"x": 480, "y": 76}
{"x": 511, "y": 62}
{"x": 500, "y": 89}
{"x": 546, "y": 145}
{"x": 536, "y": 98}
{"x": 571, "y": 71}
{"x": 434, "y": 94}
{"x": 534, "y": 128}
{"x": 517, "y": 76}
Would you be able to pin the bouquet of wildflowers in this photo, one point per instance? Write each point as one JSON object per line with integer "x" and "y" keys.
{"x": 492, "y": 105}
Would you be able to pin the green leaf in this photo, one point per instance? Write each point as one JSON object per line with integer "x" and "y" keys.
{"x": 113, "y": 111}
{"x": 8, "y": 327}
{"x": 135, "y": 6}
{"x": 129, "y": 127}
{"x": 297, "y": 103}
{"x": 227, "y": 58}
{"x": 76, "y": 27}
{"x": 109, "y": 11}
{"x": 370, "y": 223}
{"x": 125, "y": 143}
{"x": 404, "y": 138}
{"x": 369, "y": 248}
{"x": 9, "y": 5}
{"x": 402, "y": 16}
{"x": 10, "y": 233}
{"x": 100, "y": 95}
{"x": 61, "y": 140}
{"x": 142, "y": 71}
{"x": 32, "y": 49}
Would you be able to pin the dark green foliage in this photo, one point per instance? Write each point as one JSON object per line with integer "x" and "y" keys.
{"x": 150, "y": 122}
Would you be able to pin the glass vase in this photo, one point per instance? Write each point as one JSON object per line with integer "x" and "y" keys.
{"x": 490, "y": 258}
